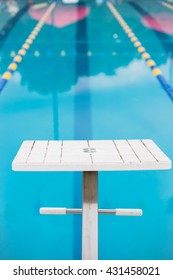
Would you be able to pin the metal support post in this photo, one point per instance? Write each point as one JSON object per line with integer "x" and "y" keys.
{"x": 90, "y": 216}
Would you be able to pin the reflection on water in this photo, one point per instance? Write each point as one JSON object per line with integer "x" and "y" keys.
{"x": 10, "y": 13}
{"x": 12, "y": 7}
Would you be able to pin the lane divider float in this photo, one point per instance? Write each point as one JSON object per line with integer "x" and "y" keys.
{"x": 25, "y": 47}
{"x": 39, "y": 6}
{"x": 142, "y": 51}
{"x": 169, "y": 6}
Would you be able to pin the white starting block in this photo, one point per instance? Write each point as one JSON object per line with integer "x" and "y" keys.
{"x": 90, "y": 157}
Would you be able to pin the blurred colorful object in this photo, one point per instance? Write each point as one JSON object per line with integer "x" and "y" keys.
{"x": 63, "y": 16}
{"x": 160, "y": 22}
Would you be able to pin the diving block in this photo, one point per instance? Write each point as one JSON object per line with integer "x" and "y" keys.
{"x": 90, "y": 157}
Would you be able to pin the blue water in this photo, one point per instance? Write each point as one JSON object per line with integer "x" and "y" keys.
{"x": 100, "y": 89}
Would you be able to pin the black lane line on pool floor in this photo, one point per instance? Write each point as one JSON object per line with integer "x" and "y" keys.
{"x": 8, "y": 27}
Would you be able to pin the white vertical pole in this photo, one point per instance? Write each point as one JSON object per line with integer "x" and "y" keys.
{"x": 90, "y": 216}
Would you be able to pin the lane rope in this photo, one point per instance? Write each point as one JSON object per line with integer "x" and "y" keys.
{"x": 169, "y": 6}
{"x": 25, "y": 47}
{"x": 144, "y": 54}
{"x": 39, "y": 6}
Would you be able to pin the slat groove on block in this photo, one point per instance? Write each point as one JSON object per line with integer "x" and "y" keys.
{"x": 141, "y": 151}
{"x": 61, "y": 151}
{"x": 37, "y": 154}
{"x": 149, "y": 153}
{"x": 45, "y": 154}
{"x": 133, "y": 149}
{"x": 24, "y": 152}
{"x": 104, "y": 152}
{"x": 75, "y": 152}
{"x": 149, "y": 150}
{"x": 156, "y": 152}
{"x": 118, "y": 151}
{"x": 53, "y": 152}
{"x": 88, "y": 142}
{"x": 30, "y": 151}
{"x": 127, "y": 154}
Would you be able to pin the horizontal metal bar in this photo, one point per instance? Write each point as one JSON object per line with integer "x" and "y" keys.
{"x": 73, "y": 211}
{"x": 79, "y": 211}
{"x": 117, "y": 211}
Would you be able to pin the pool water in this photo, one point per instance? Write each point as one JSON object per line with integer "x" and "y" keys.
{"x": 83, "y": 79}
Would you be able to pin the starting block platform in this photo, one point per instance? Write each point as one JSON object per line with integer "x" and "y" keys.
{"x": 90, "y": 157}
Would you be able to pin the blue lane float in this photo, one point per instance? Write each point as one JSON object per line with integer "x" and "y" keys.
{"x": 2, "y": 84}
{"x": 165, "y": 86}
